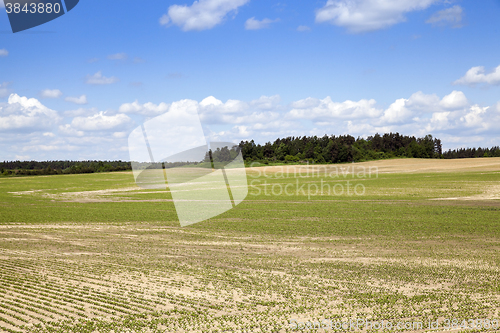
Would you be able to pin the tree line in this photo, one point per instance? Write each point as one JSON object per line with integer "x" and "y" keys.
{"x": 301, "y": 149}
{"x": 472, "y": 152}
{"x": 341, "y": 149}
{"x": 35, "y": 168}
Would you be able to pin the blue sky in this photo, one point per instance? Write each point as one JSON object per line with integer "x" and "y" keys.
{"x": 74, "y": 88}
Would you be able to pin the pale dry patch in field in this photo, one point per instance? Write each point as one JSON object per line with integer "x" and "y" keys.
{"x": 409, "y": 165}
{"x": 491, "y": 192}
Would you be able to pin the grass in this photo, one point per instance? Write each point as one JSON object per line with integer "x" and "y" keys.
{"x": 76, "y": 257}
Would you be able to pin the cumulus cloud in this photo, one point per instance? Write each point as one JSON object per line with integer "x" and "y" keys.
{"x": 326, "y": 109}
{"x": 22, "y": 113}
{"x": 213, "y": 110}
{"x": 397, "y": 112}
{"x": 455, "y": 100}
{"x": 450, "y": 16}
{"x": 81, "y": 112}
{"x": 67, "y": 130}
{"x": 100, "y": 122}
{"x": 368, "y": 15}
{"x": 201, "y": 15}
{"x": 439, "y": 121}
{"x": 99, "y": 79}
{"x": 146, "y": 109}
{"x": 4, "y": 52}
{"x": 266, "y": 102}
{"x": 402, "y": 110}
{"x": 262, "y": 110}
{"x": 54, "y": 93}
{"x": 93, "y": 134}
{"x": 474, "y": 118}
{"x": 477, "y": 75}
{"x": 77, "y": 100}
{"x": 420, "y": 102}
{"x": 253, "y": 24}
{"x": 118, "y": 56}
{"x": 419, "y": 115}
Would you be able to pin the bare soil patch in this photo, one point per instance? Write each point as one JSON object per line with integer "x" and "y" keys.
{"x": 407, "y": 165}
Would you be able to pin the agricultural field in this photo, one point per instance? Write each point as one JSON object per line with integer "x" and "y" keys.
{"x": 408, "y": 241}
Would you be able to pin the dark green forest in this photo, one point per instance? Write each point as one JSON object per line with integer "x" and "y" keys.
{"x": 313, "y": 149}
{"x": 34, "y": 168}
{"x": 342, "y": 149}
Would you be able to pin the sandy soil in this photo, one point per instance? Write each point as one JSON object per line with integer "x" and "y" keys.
{"x": 396, "y": 166}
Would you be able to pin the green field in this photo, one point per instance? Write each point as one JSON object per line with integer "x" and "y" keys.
{"x": 94, "y": 253}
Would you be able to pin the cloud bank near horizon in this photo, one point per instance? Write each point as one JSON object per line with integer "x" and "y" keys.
{"x": 37, "y": 132}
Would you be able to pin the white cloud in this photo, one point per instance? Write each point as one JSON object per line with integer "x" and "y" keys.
{"x": 212, "y": 110}
{"x": 20, "y": 157}
{"x": 211, "y": 101}
{"x": 77, "y": 100}
{"x": 54, "y": 93}
{"x": 146, "y": 109}
{"x": 201, "y": 15}
{"x": 80, "y": 112}
{"x": 261, "y": 110}
{"x": 94, "y": 134}
{"x": 67, "y": 130}
{"x": 4, "y": 53}
{"x": 368, "y": 15}
{"x": 119, "y": 135}
{"x": 455, "y": 100}
{"x": 439, "y": 121}
{"x": 22, "y": 113}
{"x": 325, "y": 109}
{"x": 118, "y": 56}
{"x": 242, "y": 130}
{"x": 100, "y": 122}
{"x": 50, "y": 148}
{"x": 402, "y": 110}
{"x": 477, "y": 75}
{"x": 266, "y": 102}
{"x": 365, "y": 129}
{"x": 253, "y": 24}
{"x": 99, "y": 79}
{"x": 474, "y": 118}
{"x": 450, "y": 16}
{"x": 4, "y": 89}
{"x": 397, "y": 112}
{"x": 303, "y": 28}
{"x": 306, "y": 103}
{"x": 423, "y": 102}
